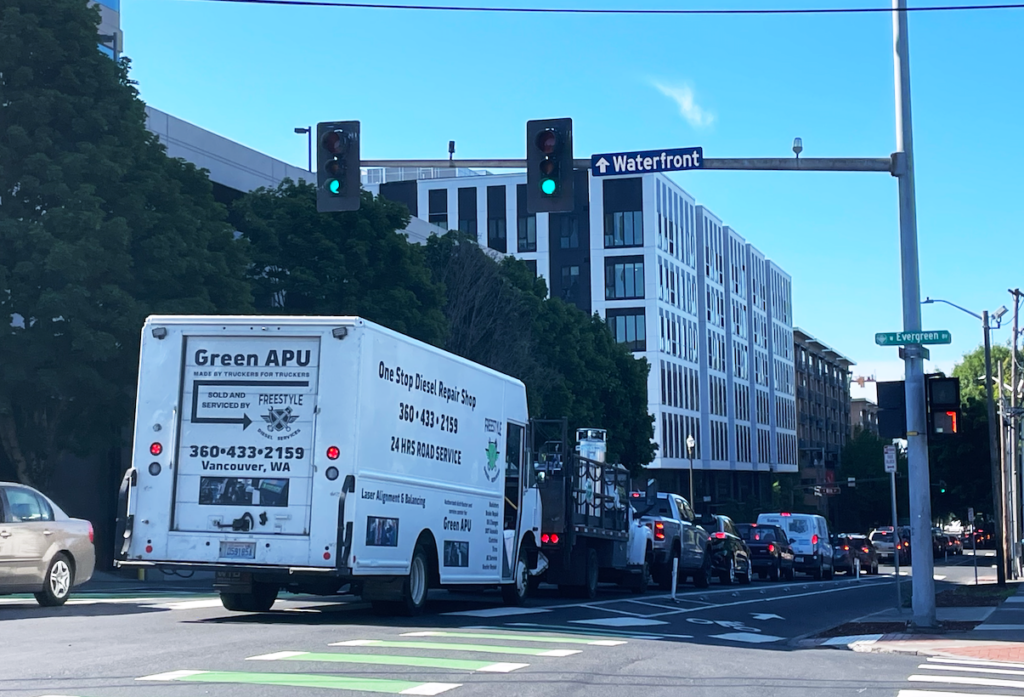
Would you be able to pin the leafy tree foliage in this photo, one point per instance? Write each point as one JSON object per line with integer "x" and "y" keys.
{"x": 98, "y": 228}
{"x": 356, "y": 263}
{"x": 869, "y": 504}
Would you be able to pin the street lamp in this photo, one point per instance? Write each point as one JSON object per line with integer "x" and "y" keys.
{"x": 993, "y": 438}
{"x": 690, "y": 442}
{"x": 309, "y": 144}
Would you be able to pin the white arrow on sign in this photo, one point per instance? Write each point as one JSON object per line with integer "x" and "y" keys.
{"x": 602, "y": 164}
{"x": 765, "y": 616}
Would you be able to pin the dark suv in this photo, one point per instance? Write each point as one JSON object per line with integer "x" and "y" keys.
{"x": 770, "y": 552}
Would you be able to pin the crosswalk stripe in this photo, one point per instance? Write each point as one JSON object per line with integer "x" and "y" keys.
{"x": 931, "y": 693}
{"x": 438, "y": 646}
{"x": 333, "y": 682}
{"x": 974, "y": 669}
{"x": 531, "y": 626}
{"x": 956, "y": 680}
{"x": 386, "y": 660}
{"x": 977, "y": 662}
{"x": 510, "y": 637}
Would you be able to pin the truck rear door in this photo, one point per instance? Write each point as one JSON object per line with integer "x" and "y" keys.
{"x": 245, "y": 436}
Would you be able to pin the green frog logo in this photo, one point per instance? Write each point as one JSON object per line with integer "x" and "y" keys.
{"x": 491, "y": 470}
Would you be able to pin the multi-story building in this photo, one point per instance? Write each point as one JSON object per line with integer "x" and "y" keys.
{"x": 709, "y": 312}
{"x": 823, "y": 406}
{"x": 863, "y": 416}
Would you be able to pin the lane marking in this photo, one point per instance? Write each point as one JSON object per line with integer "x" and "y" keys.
{"x": 621, "y": 622}
{"x": 977, "y": 662}
{"x": 439, "y": 646}
{"x": 974, "y": 669}
{"x": 1015, "y": 599}
{"x": 530, "y": 626}
{"x": 549, "y": 639}
{"x": 331, "y": 682}
{"x": 186, "y": 605}
{"x": 956, "y": 680}
{"x": 392, "y": 660}
{"x": 748, "y": 637}
{"x": 497, "y": 612}
{"x": 929, "y": 693}
{"x": 854, "y": 639}
{"x": 999, "y": 627}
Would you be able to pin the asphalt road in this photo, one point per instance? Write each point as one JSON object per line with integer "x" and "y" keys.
{"x": 720, "y": 641}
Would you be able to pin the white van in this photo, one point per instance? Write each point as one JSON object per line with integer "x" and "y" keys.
{"x": 808, "y": 534}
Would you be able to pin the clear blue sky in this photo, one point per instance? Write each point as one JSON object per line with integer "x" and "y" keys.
{"x": 740, "y": 86}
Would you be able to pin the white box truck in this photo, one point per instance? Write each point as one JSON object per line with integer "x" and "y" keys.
{"x": 307, "y": 453}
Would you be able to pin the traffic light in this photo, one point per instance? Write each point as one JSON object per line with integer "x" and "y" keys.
{"x": 851, "y": 482}
{"x": 337, "y": 166}
{"x": 892, "y": 409}
{"x": 942, "y": 486}
{"x": 549, "y": 166}
{"x": 944, "y": 406}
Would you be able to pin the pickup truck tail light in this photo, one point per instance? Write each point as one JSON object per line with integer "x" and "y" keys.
{"x": 864, "y": 549}
{"x": 549, "y": 539}
{"x": 659, "y": 530}
{"x": 718, "y": 535}
{"x": 771, "y": 548}
{"x": 846, "y": 548}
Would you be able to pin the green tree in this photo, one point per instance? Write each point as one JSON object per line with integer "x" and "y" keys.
{"x": 869, "y": 504}
{"x": 98, "y": 228}
{"x": 971, "y": 371}
{"x": 355, "y": 263}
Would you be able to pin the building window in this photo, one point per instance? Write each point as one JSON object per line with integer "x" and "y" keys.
{"x": 570, "y": 283}
{"x": 531, "y": 264}
{"x": 624, "y": 278}
{"x": 624, "y": 229}
{"x": 467, "y": 211}
{"x": 566, "y": 228}
{"x": 526, "y": 223}
{"x": 496, "y": 219}
{"x": 437, "y": 205}
{"x": 629, "y": 327}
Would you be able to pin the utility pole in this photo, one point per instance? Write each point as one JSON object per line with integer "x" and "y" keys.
{"x": 1005, "y": 471}
{"x": 1016, "y": 475}
{"x": 922, "y": 580}
{"x": 993, "y": 449}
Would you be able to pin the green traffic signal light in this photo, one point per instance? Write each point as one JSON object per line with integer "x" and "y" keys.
{"x": 548, "y": 186}
{"x": 334, "y": 186}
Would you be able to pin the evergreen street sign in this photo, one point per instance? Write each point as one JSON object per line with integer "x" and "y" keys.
{"x": 900, "y": 338}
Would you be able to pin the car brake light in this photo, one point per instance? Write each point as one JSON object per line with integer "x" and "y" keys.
{"x": 846, "y": 548}
{"x": 814, "y": 539}
{"x": 785, "y": 514}
{"x": 771, "y": 548}
{"x": 718, "y": 535}
{"x": 92, "y": 537}
{"x": 864, "y": 549}
{"x": 156, "y": 449}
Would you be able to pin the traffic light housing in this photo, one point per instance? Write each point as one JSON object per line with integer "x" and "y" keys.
{"x": 892, "y": 409}
{"x": 337, "y": 166}
{"x": 942, "y": 486}
{"x": 549, "y": 166}
{"x": 943, "y": 406}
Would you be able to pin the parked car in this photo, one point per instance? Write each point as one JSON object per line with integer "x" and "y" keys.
{"x": 808, "y": 534}
{"x": 730, "y": 556}
{"x": 771, "y": 555}
{"x": 677, "y": 536}
{"x": 43, "y": 551}
{"x": 889, "y": 544}
{"x": 954, "y": 546}
{"x": 848, "y": 547}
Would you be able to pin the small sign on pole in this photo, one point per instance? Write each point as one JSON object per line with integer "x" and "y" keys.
{"x": 890, "y": 458}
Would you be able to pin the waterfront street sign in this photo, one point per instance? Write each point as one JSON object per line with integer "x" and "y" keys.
{"x": 900, "y": 338}
{"x": 675, "y": 160}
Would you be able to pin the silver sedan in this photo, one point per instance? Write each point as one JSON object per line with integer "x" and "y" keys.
{"x": 43, "y": 551}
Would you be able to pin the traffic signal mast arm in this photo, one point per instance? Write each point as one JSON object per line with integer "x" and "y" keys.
{"x": 810, "y": 164}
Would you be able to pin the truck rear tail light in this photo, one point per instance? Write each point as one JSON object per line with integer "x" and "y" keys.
{"x": 333, "y": 453}
{"x": 156, "y": 449}
{"x": 846, "y": 548}
{"x": 546, "y": 538}
{"x": 814, "y": 539}
{"x": 865, "y": 550}
{"x": 659, "y": 530}
{"x": 718, "y": 535}
{"x": 92, "y": 535}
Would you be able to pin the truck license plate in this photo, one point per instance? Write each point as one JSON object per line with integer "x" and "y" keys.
{"x": 799, "y": 560}
{"x": 238, "y": 550}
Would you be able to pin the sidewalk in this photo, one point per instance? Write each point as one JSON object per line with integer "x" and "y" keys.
{"x": 151, "y": 581}
{"x": 998, "y": 637}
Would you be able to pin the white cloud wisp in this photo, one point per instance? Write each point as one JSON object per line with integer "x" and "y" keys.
{"x": 695, "y": 115}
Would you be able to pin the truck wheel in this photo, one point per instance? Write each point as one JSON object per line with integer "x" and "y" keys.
{"x": 261, "y": 599}
{"x": 414, "y": 589}
{"x": 589, "y": 589}
{"x": 643, "y": 580}
{"x": 665, "y": 577}
{"x": 702, "y": 576}
{"x": 515, "y": 594}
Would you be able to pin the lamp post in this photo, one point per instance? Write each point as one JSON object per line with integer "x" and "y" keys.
{"x": 309, "y": 145}
{"x": 993, "y": 433}
{"x": 690, "y": 442}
